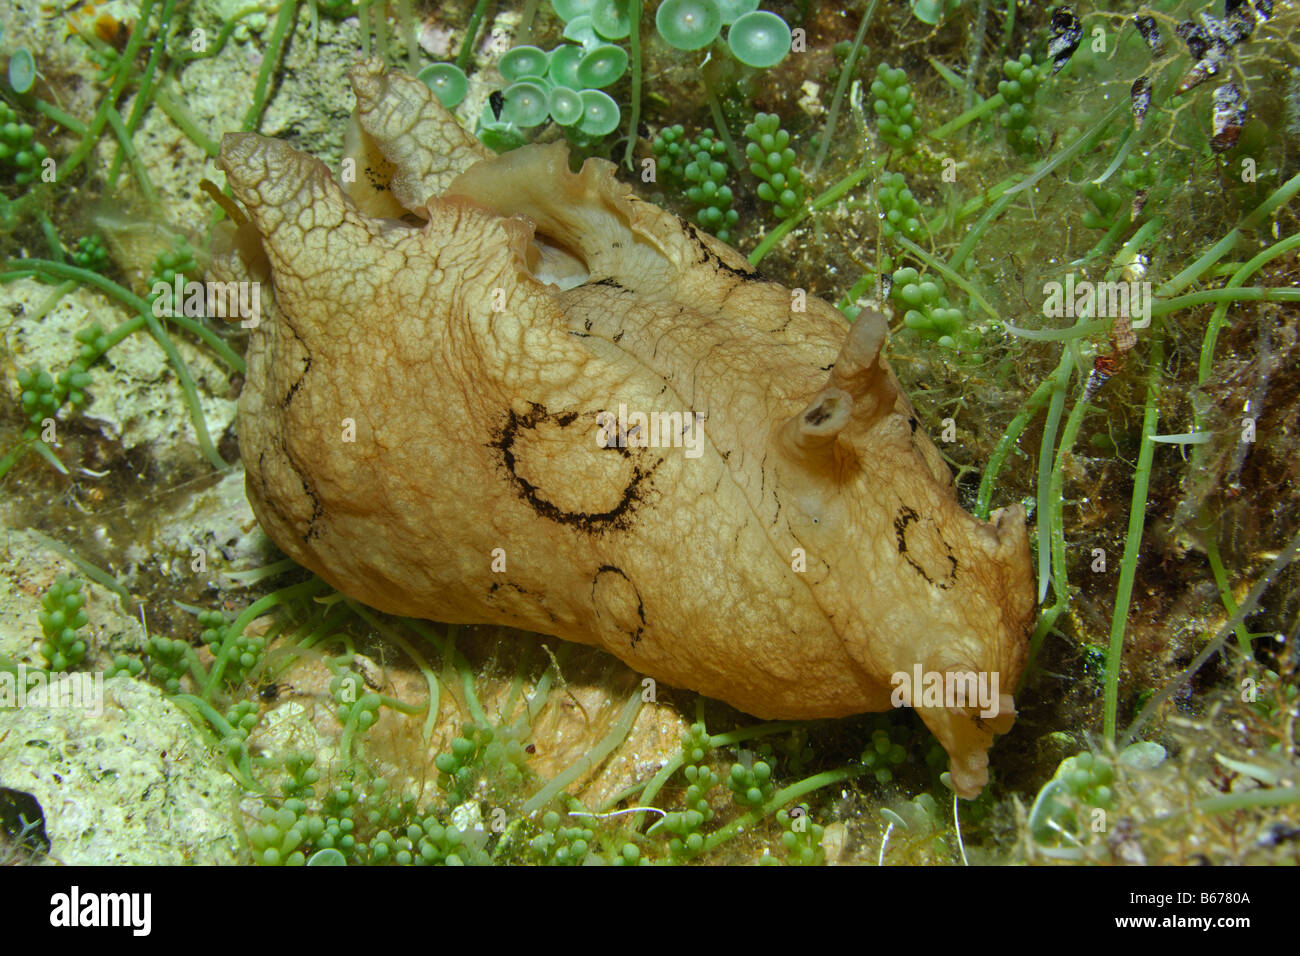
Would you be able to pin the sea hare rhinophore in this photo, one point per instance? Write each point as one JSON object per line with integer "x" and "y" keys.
{"x": 491, "y": 390}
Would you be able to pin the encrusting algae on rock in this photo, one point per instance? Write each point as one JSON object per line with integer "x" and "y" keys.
{"x": 491, "y": 390}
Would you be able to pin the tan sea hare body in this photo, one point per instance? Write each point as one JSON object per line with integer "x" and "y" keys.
{"x": 421, "y": 411}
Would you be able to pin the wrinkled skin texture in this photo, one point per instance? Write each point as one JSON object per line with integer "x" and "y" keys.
{"x": 811, "y": 550}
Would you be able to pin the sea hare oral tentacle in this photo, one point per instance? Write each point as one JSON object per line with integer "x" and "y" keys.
{"x": 521, "y": 395}
{"x": 405, "y": 120}
{"x": 811, "y": 434}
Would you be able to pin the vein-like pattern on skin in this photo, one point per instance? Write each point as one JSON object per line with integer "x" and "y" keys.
{"x": 810, "y": 549}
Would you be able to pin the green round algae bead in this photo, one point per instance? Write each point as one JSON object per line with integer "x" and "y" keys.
{"x": 580, "y": 30}
{"x": 688, "y": 24}
{"x": 600, "y": 114}
{"x": 759, "y": 39}
{"x": 564, "y": 65}
{"x": 327, "y": 857}
{"x": 930, "y": 12}
{"x": 22, "y": 70}
{"x": 526, "y": 104}
{"x": 733, "y": 10}
{"x": 447, "y": 81}
{"x": 602, "y": 66}
{"x": 609, "y": 18}
{"x": 565, "y": 105}
{"x": 521, "y": 61}
{"x": 568, "y": 10}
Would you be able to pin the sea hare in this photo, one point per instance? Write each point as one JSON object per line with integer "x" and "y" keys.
{"x": 492, "y": 390}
